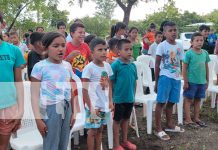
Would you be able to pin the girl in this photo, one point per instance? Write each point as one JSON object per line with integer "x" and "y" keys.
{"x": 195, "y": 74}
{"x": 136, "y": 45}
{"x": 11, "y": 89}
{"x": 52, "y": 98}
{"x": 118, "y": 30}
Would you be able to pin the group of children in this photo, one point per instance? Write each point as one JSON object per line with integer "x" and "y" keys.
{"x": 109, "y": 82}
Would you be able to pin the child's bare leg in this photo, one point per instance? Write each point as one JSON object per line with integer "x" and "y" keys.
{"x": 197, "y": 103}
{"x": 4, "y": 141}
{"x": 158, "y": 112}
{"x": 91, "y": 138}
{"x": 124, "y": 126}
{"x": 187, "y": 103}
{"x": 98, "y": 138}
{"x": 169, "y": 112}
{"x": 116, "y": 128}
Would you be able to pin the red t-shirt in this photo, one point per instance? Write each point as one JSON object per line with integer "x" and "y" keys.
{"x": 79, "y": 62}
{"x": 151, "y": 37}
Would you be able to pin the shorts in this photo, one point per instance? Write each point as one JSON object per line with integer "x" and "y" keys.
{"x": 168, "y": 90}
{"x": 94, "y": 122}
{"x": 122, "y": 111}
{"x": 195, "y": 91}
{"x": 7, "y": 119}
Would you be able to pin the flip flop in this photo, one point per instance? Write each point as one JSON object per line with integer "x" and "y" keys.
{"x": 162, "y": 135}
{"x": 191, "y": 124}
{"x": 201, "y": 124}
{"x": 176, "y": 129}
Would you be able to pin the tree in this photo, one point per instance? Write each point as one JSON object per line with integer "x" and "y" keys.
{"x": 213, "y": 17}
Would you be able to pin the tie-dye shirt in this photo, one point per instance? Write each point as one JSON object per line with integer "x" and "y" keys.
{"x": 170, "y": 59}
{"x": 55, "y": 81}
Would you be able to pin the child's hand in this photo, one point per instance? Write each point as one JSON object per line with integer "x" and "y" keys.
{"x": 155, "y": 87}
{"x": 104, "y": 83}
{"x": 72, "y": 120}
{"x": 185, "y": 86}
{"x": 74, "y": 54}
{"x": 111, "y": 106}
{"x": 41, "y": 127}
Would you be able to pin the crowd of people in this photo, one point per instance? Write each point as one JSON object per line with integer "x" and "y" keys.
{"x": 109, "y": 77}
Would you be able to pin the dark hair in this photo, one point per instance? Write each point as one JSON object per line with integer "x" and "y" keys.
{"x": 36, "y": 37}
{"x": 168, "y": 24}
{"x": 121, "y": 42}
{"x": 158, "y": 33}
{"x": 133, "y": 28}
{"x": 89, "y": 38}
{"x": 60, "y": 23}
{"x": 1, "y": 17}
{"x": 117, "y": 27}
{"x": 49, "y": 37}
{"x": 95, "y": 42}
{"x": 13, "y": 33}
{"x": 26, "y": 35}
{"x": 30, "y": 30}
{"x": 77, "y": 20}
{"x": 195, "y": 35}
{"x": 204, "y": 27}
{"x": 7, "y": 33}
{"x": 112, "y": 43}
{"x": 162, "y": 25}
{"x": 39, "y": 28}
{"x": 152, "y": 26}
{"x": 74, "y": 26}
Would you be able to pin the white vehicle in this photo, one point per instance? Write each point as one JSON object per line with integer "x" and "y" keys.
{"x": 185, "y": 39}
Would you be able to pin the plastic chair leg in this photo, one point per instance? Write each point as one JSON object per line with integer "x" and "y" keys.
{"x": 213, "y": 99}
{"x": 109, "y": 120}
{"x": 180, "y": 110}
{"x": 69, "y": 144}
{"x": 144, "y": 110}
{"x": 149, "y": 116}
{"x": 135, "y": 122}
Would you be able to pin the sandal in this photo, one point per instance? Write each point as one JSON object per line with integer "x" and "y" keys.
{"x": 118, "y": 148}
{"x": 176, "y": 129}
{"x": 201, "y": 124}
{"x": 162, "y": 135}
{"x": 191, "y": 125}
{"x": 128, "y": 145}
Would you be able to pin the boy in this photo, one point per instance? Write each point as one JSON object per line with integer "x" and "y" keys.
{"x": 77, "y": 52}
{"x": 204, "y": 30}
{"x": 112, "y": 54}
{"x": 61, "y": 26}
{"x": 167, "y": 76}
{"x": 124, "y": 86}
{"x": 14, "y": 37}
{"x": 39, "y": 29}
{"x": 96, "y": 89}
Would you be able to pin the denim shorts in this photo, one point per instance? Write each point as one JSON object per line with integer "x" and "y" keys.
{"x": 195, "y": 91}
{"x": 168, "y": 90}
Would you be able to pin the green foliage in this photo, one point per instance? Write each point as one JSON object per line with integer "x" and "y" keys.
{"x": 213, "y": 17}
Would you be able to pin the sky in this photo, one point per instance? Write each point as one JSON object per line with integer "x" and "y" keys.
{"x": 139, "y": 12}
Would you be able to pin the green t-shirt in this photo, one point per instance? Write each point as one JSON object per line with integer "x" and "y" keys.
{"x": 196, "y": 69}
{"x": 10, "y": 58}
{"x": 124, "y": 81}
{"x": 136, "y": 48}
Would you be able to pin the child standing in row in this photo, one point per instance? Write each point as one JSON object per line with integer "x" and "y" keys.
{"x": 168, "y": 82}
{"x": 97, "y": 93}
{"x": 196, "y": 78}
{"x": 124, "y": 86}
{"x": 51, "y": 91}
{"x": 118, "y": 30}
{"x": 112, "y": 55}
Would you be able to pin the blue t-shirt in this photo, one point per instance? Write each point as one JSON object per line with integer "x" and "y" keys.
{"x": 124, "y": 81}
{"x": 212, "y": 39}
{"x": 10, "y": 58}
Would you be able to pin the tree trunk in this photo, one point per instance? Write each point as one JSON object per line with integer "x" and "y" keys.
{"x": 127, "y": 15}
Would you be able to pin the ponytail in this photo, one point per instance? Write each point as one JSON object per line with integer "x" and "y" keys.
{"x": 113, "y": 30}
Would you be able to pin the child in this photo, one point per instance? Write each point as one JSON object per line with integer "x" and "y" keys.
{"x": 96, "y": 90}
{"x": 14, "y": 37}
{"x": 204, "y": 30}
{"x": 112, "y": 55}
{"x": 11, "y": 89}
{"x": 61, "y": 26}
{"x": 118, "y": 30}
{"x": 167, "y": 79}
{"x": 37, "y": 53}
{"x": 195, "y": 74}
{"x": 136, "y": 45}
{"x": 39, "y": 29}
{"x": 124, "y": 85}
{"x": 89, "y": 38}
{"x": 6, "y": 37}
{"x": 52, "y": 98}
{"x": 77, "y": 52}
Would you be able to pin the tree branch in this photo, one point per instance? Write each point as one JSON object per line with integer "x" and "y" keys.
{"x": 121, "y": 4}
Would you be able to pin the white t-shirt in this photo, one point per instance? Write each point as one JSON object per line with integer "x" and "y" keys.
{"x": 152, "y": 52}
{"x": 99, "y": 98}
{"x": 170, "y": 62}
{"x": 216, "y": 66}
{"x": 23, "y": 47}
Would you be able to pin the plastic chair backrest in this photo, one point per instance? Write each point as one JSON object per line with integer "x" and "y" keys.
{"x": 144, "y": 59}
{"x": 139, "y": 86}
{"x": 147, "y": 78}
{"x": 211, "y": 65}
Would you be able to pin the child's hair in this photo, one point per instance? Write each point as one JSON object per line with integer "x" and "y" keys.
{"x": 74, "y": 26}
{"x": 121, "y": 43}
{"x": 60, "y": 23}
{"x": 26, "y": 35}
{"x": 77, "y": 20}
{"x": 49, "y": 37}
{"x": 158, "y": 33}
{"x": 195, "y": 35}
{"x": 112, "y": 43}
{"x": 30, "y": 30}
{"x": 133, "y": 28}
{"x": 39, "y": 28}
{"x": 204, "y": 27}
{"x": 6, "y": 33}
{"x": 36, "y": 37}
{"x": 13, "y": 33}
{"x": 152, "y": 26}
{"x": 89, "y": 38}
{"x": 168, "y": 24}
{"x": 162, "y": 25}
{"x": 95, "y": 42}
{"x": 117, "y": 27}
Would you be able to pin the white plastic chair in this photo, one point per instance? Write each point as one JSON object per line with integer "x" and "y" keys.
{"x": 28, "y": 136}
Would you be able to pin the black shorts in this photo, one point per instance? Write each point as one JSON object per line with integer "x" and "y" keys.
{"x": 122, "y": 111}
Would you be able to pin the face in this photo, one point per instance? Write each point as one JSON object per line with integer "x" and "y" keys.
{"x": 153, "y": 30}
{"x": 170, "y": 32}
{"x": 159, "y": 38}
{"x": 62, "y": 29}
{"x": 121, "y": 31}
{"x": 197, "y": 42}
{"x": 40, "y": 30}
{"x": 79, "y": 34}
{"x": 205, "y": 33}
{"x": 14, "y": 39}
{"x": 5, "y": 37}
{"x": 134, "y": 33}
{"x": 56, "y": 49}
{"x": 126, "y": 51}
{"x": 100, "y": 52}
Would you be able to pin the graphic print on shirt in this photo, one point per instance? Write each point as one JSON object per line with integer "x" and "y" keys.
{"x": 79, "y": 63}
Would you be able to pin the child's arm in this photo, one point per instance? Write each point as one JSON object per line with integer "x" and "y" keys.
{"x": 109, "y": 61}
{"x": 184, "y": 74}
{"x": 207, "y": 75}
{"x": 73, "y": 116}
{"x": 86, "y": 97}
{"x": 111, "y": 107}
{"x": 157, "y": 71}
{"x": 72, "y": 55}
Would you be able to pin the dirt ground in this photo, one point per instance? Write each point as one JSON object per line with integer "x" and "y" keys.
{"x": 191, "y": 139}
